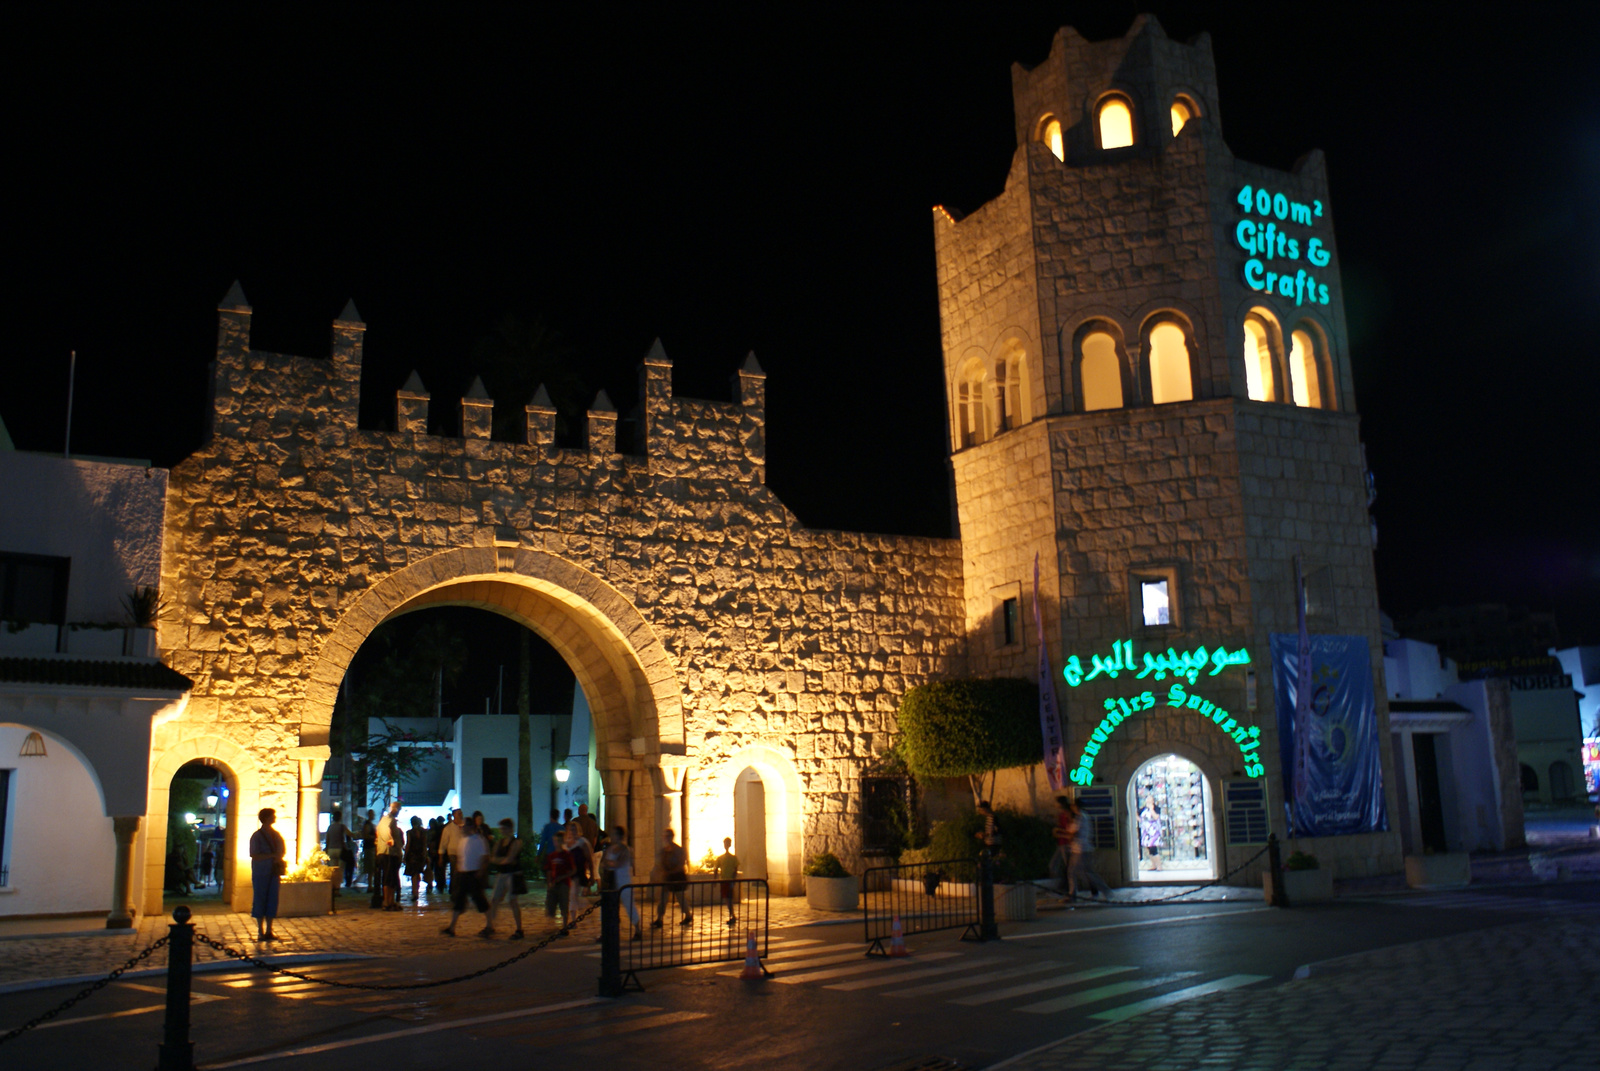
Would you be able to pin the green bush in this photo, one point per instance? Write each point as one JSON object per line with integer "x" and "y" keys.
{"x": 967, "y": 727}
{"x": 1026, "y": 845}
{"x": 1301, "y": 861}
{"x": 826, "y": 865}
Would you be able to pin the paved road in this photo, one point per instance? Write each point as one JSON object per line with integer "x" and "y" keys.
{"x": 1429, "y": 981}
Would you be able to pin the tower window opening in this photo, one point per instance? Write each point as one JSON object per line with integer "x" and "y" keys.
{"x": 1155, "y": 602}
{"x": 1303, "y": 376}
{"x": 1004, "y": 396}
{"x": 1116, "y": 123}
{"x": 1100, "y": 373}
{"x": 972, "y": 409}
{"x": 1182, "y": 112}
{"x": 1051, "y": 136}
{"x": 1257, "y": 361}
{"x": 1170, "y": 377}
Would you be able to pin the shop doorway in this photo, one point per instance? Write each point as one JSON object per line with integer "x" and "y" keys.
{"x": 750, "y": 823}
{"x": 1170, "y": 808}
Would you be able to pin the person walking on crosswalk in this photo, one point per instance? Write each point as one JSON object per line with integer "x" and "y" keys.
{"x": 616, "y": 872}
{"x": 675, "y": 874}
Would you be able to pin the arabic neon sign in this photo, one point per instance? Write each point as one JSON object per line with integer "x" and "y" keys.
{"x": 1119, "y": 710}
{"x": 1186, "y": 664}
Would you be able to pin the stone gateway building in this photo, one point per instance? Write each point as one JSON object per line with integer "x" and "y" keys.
{"x": 1149, "y": 391}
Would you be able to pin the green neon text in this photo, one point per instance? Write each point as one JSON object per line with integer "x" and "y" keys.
{"x": 1247, "y": 737}
{"x": 1179, "y": 664}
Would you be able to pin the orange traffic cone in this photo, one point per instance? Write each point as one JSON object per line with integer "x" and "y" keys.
{"x": 897, "y": 938}
{"x": 752, "y": 962}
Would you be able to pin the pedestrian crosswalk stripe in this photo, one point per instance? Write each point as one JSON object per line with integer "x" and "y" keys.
{"x": 961, "y": 983}
{"x": 1105, "y": 992}
{"x": 803, "y": 962}
{"x": 857, "y": 968}
{"x": 782, "y": 948}
{"x": 1056, "y": 982}
{"x": 929, "y": 972}
{"x": 1128, "y": 1011}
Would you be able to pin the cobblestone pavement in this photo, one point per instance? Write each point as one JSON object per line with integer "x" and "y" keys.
{"x": 1500, "y": 999}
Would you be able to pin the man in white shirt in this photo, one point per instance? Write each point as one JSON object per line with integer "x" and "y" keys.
{"x": 387, "y": 868}
{"x": 470, "y": 862}
{"x": 449, "y": 840}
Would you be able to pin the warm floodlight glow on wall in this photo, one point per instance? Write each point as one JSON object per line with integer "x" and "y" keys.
{"x": 1181, "y": 114}
{"x": 1052, "y": 138}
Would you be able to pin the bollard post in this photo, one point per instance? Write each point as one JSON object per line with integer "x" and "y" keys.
{"x": 176, "y": 1050}
{"x": 987, "y": 930}
{"x": 610, "y": 942}
{"x": 1280, "y": 895}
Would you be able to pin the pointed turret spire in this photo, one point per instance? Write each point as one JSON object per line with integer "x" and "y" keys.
{"x": 602, "y": 403}
{"x": 234, "y": 299}
{"x": 541, "y": 399}
{"x": 350, "y": 315}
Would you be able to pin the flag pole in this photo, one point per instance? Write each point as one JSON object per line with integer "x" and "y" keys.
{"x": 72, "y": 375}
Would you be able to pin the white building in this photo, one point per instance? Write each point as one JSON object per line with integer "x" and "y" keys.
{"x": 80, "y": 686}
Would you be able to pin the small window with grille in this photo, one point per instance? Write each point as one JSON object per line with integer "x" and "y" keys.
{"x": 1099, "y": 805}
{"x": 1246, "y": 812}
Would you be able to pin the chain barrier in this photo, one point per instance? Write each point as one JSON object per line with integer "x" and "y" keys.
{"x": 544, "y": 942}
{"x": 1190, "y": 891}
{"x": 94, "y": 988}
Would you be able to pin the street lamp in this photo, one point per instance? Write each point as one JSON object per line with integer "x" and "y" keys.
{"x": 562, "y": 773}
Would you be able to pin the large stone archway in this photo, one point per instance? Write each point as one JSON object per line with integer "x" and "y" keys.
{"x": 625, "y": 672}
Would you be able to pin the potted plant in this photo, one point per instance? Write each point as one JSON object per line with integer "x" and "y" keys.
{"x": 308, "y": 889}
{"x": 145, "y": 608}
{"x": 829, "y": 886}
{"x": 1304, "y": 879}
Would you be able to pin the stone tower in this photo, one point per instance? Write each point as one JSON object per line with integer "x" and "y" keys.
{"x": 1148, "y": 383}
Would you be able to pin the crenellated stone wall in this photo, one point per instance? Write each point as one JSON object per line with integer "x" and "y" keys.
{"x": 705, "y": 619}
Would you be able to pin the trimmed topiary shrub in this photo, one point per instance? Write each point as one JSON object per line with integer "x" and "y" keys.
{"x": 965, "y": 728}
{"x": 1027, "y": 843}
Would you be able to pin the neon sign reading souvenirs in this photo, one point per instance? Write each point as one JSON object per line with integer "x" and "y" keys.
{"x": 1179, "y": 664}
{"x": 1119, "y": 710}
{"x": 1268, "y": 241}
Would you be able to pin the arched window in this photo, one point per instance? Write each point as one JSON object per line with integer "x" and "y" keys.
{"x": 1100, "y": 372}
{"x": 1170, "y": 377}
{"x": 1050, "y": 134}
{"x": 1304, "y": 377}
{"x": 972, "y": 426}
{"x": 1010, "y": 408}
{"x": 1258, "y": 362}
{"x": 1183, "y": 110}
{"x": 1116, "y": 123}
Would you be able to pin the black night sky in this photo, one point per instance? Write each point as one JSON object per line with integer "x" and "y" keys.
{"x": 731, "y": 182}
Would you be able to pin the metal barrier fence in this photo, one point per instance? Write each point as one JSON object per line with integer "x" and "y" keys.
{"x": 677, "y": 924}
{"x": 943, "y": 894}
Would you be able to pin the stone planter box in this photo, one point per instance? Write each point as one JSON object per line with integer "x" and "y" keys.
{"x": 304, "y": 899}
{"x": 1016, "y": 903}
{"x": 832, "y": 894}
{"x": 1445, "y": 870}
{"x": 1302, "y": 886}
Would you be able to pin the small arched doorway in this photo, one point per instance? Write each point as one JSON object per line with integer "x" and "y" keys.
{"x": 750, "y": 822}
{"x": 1170, "y": 814}
{"x": 199, "y": 832}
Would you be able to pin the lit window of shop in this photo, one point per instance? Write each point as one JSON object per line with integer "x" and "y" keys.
{"x": 1116, "y": 123}
{"x": 1182, "y": 111}
{"x": 1303, "y": 376}
{"x": 1050, "y": 134}
{"x": 1170, "y": 377}
{"x": 1100, "y": 372}
{"x": 1257, "y": 358}
{"x": 1170, "y": 806}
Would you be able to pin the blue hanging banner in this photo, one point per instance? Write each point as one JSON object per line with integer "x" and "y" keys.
{"x": 1332, "y": 770}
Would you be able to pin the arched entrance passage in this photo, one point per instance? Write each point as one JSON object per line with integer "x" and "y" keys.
{"x": 1172, "y": 821}
{"x": 754, "y": 797}
{"x": 238, "y": 771}
{"x": 625, "y": 672}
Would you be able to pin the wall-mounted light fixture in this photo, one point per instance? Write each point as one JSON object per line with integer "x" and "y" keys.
{"x": 32, "y": 747}
{"x": 562, "y": 773}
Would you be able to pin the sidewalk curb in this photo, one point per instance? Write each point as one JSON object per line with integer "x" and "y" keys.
{"x": 210, "y": 966}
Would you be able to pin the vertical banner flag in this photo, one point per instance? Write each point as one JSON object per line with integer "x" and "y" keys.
{"x": 1302, "y": 690}
{"x": 1331, "y": 755}
{"x": 1055, "y": 745}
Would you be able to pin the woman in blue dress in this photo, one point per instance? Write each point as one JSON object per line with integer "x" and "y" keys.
{"x": 268, "y": 863}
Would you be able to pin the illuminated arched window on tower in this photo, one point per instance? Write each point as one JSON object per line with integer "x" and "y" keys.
{"x": 1258, "y": 376}
{"x": 1100, "y": 372}
{"x": 971, "y": 407}
{"x": 1050, "y": 134}
{"x": 1304, "y": 378}
{"x": 1182, "y": 111}
{"x": 1116, "y": 123}
{"x": 1170, "y": 378}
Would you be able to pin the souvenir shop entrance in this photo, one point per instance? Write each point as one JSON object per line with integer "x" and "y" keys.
{"x": 1170, "y": 810}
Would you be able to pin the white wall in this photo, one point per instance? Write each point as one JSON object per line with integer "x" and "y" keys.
{"x": 106, "y": 517}
{"x": 480, "y": 736}
{"x": 60, "y": 848}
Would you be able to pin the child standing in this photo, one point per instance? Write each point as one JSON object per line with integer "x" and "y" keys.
{"x": 727, "y": 874}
